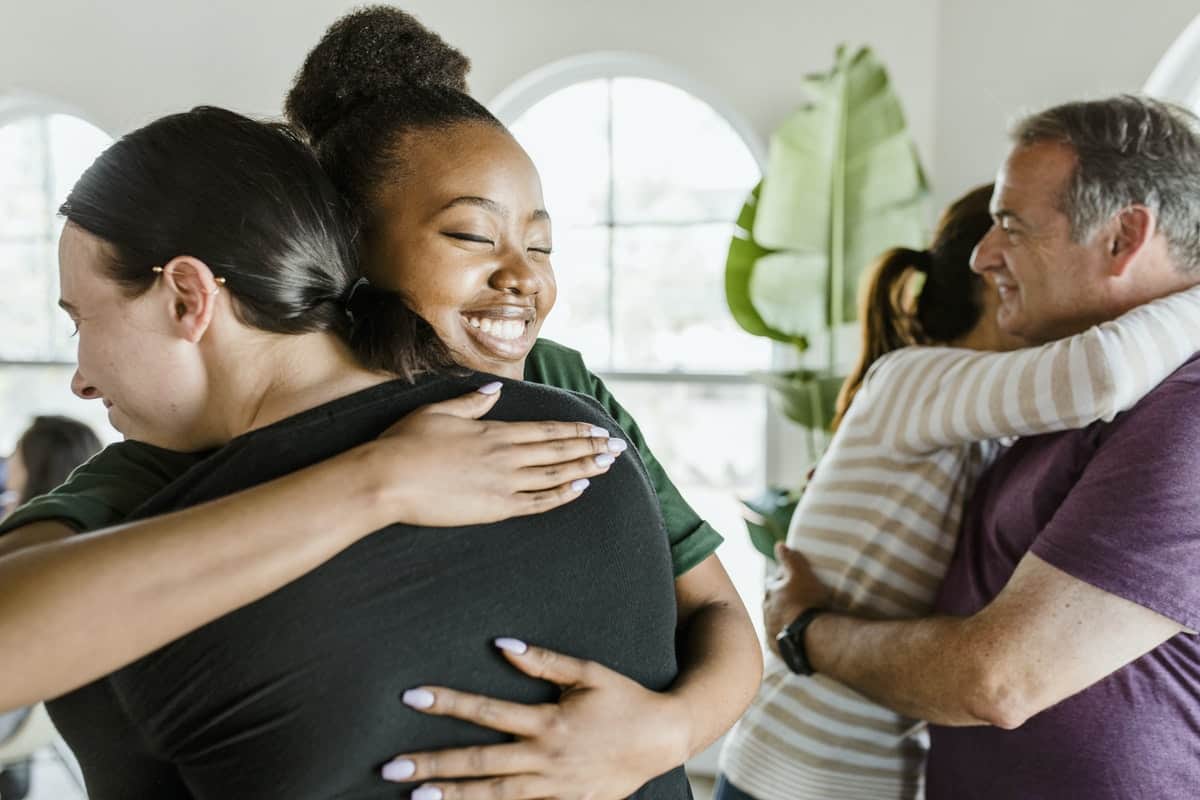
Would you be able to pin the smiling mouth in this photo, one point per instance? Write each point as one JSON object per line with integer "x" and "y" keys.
{"x": 505, "y": 333}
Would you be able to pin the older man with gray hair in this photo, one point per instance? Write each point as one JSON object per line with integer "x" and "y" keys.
{"x": 1065, "y": 661}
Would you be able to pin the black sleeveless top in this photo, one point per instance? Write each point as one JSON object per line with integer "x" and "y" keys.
{"x": 298, "y": 695}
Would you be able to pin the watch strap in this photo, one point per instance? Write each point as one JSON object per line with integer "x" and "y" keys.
{"x": 792, "y": 645}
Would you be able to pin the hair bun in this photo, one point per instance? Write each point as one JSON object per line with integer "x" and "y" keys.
{"x": 362, "y": 55}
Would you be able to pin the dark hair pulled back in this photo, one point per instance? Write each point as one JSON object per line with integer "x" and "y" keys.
{"x": 948, "y": 304}
{"x": 249, "y": 200}
{"x": 377, "y": 75}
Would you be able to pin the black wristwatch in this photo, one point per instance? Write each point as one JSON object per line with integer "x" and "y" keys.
{"x": 791, "y": 642}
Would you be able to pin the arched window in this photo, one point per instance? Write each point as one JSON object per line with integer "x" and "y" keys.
{"x": 43, "y": 150}
{"x": 643, "y": 175}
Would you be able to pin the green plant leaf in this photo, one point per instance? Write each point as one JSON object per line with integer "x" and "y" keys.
{"x": 744, "y": 257}
{"x": 767, "y": 517}
{"x": 843, "y": 184}
{"x": 787, "y": 289}
{"x": 805, "y": 397}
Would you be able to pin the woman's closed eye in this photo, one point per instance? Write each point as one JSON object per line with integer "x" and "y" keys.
{"x": 469, "y": 237}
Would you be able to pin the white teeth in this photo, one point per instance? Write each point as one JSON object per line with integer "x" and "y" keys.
{"x": 508, "y": 329}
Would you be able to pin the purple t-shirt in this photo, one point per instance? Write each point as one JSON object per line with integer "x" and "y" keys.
{"x": 1118, "y": 506}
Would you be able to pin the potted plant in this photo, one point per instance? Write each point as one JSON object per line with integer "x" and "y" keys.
{"x": 843, "y": 183}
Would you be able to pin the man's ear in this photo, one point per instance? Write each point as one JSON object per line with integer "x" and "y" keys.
{"x": 192, "y": 294}
{"x": 1128, "y": 232}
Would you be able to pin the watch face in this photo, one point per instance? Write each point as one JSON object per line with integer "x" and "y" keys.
{"x": 791, "y": 643}
{"x": 789, "y": 648}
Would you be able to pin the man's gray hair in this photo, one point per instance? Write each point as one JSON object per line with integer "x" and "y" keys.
{"x": 1129, "y": 149}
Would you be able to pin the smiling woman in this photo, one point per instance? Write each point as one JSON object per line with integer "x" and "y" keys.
{"x": 482, "y": 239}
{"x": 388, "y": 612}
{"x": 382, "y": 100}
{"x": 476, "y": 267}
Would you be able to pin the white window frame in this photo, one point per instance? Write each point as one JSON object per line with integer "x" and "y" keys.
{"x": 524, "y": 93}
{"x": 544, "y": 81}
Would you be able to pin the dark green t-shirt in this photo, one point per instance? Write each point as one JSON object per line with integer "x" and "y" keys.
{"x": 106, "y": 489}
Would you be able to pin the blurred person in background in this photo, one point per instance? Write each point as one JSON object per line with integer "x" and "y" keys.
{"x": 45, "y": 455}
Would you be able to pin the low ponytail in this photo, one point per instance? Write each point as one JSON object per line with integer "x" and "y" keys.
{"x": 887, "y": 316}
{"x": 387, "y": 335}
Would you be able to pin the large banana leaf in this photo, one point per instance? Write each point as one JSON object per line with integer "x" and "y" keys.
{"x": 843, "y": 184}
{"x": 766, "y": 290}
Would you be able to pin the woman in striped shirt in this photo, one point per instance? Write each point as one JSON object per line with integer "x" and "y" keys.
{"x": 880, "y": 517}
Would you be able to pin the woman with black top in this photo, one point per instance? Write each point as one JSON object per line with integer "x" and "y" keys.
{"x": 252, "y": 351}
{"x": 426, "y": 169}
{"x": 381, "y": 97}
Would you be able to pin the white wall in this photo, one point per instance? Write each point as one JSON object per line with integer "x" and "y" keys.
{"x": 963, "y": 68}
{"x": 126, "y": 61}
{"x": 999, "y": 60}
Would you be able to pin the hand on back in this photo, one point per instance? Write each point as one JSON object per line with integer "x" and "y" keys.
{"x": 450, "y": 468}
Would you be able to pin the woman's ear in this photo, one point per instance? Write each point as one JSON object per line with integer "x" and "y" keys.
{"x": 192, "y": 291}
{"x": 1130, "y": 230}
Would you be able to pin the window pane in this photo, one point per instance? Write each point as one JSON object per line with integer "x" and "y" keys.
{"x": 26, "y": 392}
{"x": 74, "y": 145}
{"x": 675, "y": 159}
{"x": 709, "y": 438}
{"x": 23, "y": 198}
{"x": 27, "y": 311}
{"x": 41, "y": 157}
{"x": 580, "y": 316}
{"x": 669, "y": 296}
{"x": 566, "y": 135}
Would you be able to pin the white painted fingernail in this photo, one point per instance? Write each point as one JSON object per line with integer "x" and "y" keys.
{"x": 512, "y": 645}
{"x": 399, "y": 770}
{"x": 418, "y": 698}
{"x": 605, "y": 460}
{"x": 617, "y": 445}
{"x": 427, "y": 793}
{"x": 598, "y": 433}
{"x": 490, "y": 388}
{"x": 580, "y": 485}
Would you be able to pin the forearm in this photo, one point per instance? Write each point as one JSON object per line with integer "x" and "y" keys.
{"x": 74, "y": 610}
{"x": 925, "y": 668}
{"x": 720, "y": 669}
{"x": 721, "y": 666}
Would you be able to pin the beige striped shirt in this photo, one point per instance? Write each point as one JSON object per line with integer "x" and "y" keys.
{"x": 880, "y": 518}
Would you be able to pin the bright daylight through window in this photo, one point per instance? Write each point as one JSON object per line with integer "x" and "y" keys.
{"x": 41, "y": 156}
{"x": 643, "y": 181}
